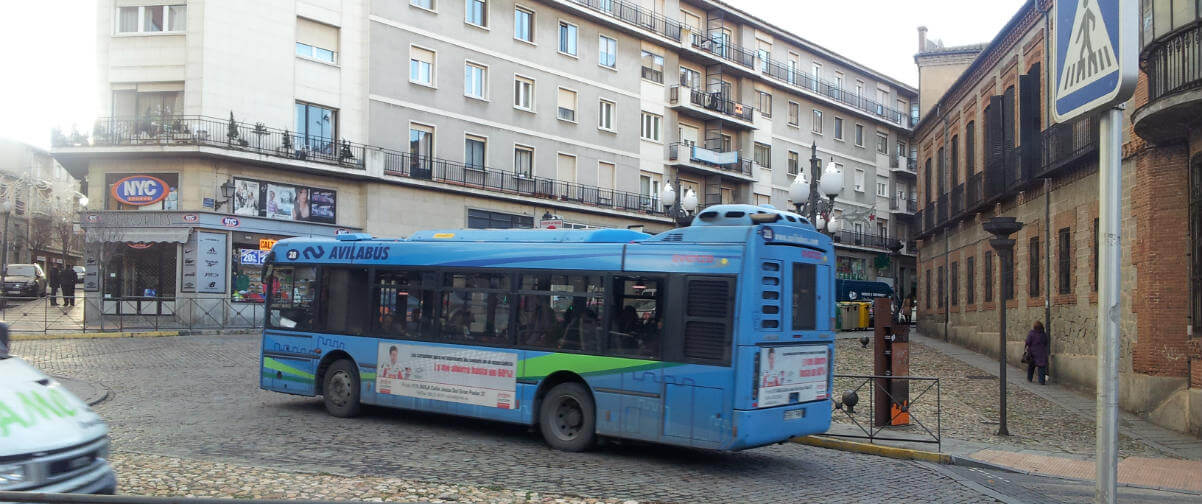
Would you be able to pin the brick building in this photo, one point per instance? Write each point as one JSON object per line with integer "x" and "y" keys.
{"x": 989, "y": 147}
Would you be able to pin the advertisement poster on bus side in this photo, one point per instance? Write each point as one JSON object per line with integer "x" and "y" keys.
{"x": 791, "y": 375}
{"x": 459, "y": 375}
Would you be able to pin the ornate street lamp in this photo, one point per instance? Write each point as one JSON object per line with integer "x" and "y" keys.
{"x": 1001, "y": 228}
{"x": 680, "y": 213}
{"x": 805, "y": 192}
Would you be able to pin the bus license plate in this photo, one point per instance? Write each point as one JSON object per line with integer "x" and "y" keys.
{"x": 795, "y": 414}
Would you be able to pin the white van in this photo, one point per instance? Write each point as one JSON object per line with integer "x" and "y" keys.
{"x": 50, "y": 441}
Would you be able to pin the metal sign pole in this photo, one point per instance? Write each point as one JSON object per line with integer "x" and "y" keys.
{"x": 1110, "y": 178}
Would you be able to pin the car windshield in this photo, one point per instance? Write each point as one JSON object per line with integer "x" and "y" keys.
{"x": 20, "y": 270}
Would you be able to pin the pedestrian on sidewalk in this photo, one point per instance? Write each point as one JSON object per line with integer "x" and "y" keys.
{"x": 53, "y": 278}
{"x": 1037, "y": 350}
{"x": 68, "y": 279}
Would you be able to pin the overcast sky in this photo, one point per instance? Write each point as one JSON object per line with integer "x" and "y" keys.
{"x": 51, "y": 47}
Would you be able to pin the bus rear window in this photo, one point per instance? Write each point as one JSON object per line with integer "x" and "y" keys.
{"x": 804, "y": 284}
{"x": 637, "y": 325}
{"x": 292, "y": 291}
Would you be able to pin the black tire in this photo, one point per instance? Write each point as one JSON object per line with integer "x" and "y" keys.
{"x": 340, "y": 389}
{"x": 567, "y": 418}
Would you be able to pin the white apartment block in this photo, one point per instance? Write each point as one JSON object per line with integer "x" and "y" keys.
{"x": 278, "y": 118}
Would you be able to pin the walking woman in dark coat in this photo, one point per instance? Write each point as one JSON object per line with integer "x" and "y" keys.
{"x": 1037, "y": 346}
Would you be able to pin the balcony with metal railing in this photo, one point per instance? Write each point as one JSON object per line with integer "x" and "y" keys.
{"x": 902, "y": 164}
{"x": 902, "y": 205}
{"x": 634, "y": 15}
{"x": 1173, "y": 65}
{"x": 974, "y": 191}
{"x": 942, "y": 206}
{"x": 957, "y": 200}
{"x": 456, "y": 173}
{"x": 729, "y": 163}
{"x": 1068, "y": 143}
{"x": 862, "y": 239}
{"x": 705, "y": 106}
{"x": 719, "y": 47}
{"x": 832, "y": 91}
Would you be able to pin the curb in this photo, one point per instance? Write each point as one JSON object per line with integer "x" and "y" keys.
{"x": 127, "y": 334}
{"x": 873, "y": 449}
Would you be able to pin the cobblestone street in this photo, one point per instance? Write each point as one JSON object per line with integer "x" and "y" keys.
{"x": 194, "y": 401}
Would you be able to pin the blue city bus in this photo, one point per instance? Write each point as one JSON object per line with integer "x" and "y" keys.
{"x": 717, "y": 335}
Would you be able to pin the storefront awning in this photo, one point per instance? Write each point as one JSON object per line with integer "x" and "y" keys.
{"x": 137, "y": 235}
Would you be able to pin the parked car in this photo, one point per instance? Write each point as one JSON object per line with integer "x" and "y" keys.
{"x": 79, "y": 271}
{"x": 24, "y": 280}
{"x": 62, "y": 447}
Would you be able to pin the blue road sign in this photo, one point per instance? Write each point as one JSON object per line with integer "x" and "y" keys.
{"x": 1096, "y": 55}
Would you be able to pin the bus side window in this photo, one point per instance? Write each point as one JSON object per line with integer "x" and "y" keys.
{"x": 637, "y": 319}
{"x": 475, "y": 307}
{"x": 292, "y": 291}
{"x": 341, "y": 288}
{"x": 398, "y": 310}
{"x": 561, "y": 312}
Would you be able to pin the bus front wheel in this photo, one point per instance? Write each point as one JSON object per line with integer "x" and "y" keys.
{"x": 341, "y": 389}
{"x": 567, "y": 418}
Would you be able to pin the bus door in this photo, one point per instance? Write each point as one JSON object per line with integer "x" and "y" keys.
{"x": 636, "y": 333}
{"x": 696, "y": 402}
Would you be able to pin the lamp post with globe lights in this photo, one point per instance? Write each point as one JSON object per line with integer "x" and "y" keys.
{"x": 806, "y": 191}
{"x": 680, "y": 213}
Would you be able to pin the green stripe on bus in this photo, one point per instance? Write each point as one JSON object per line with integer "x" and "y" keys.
{"x": 287, "y": 377}
{"x": 367, "y": 376}
{"x": 276, "y": 365}
{"x": 544, "y": 365}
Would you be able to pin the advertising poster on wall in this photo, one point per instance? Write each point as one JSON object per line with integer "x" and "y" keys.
{"x": 280, "y": 200}
{"x": 211, "y": 262}
{"x": 790, "y": 375}
{"x": 300, "y": 210}
{"x": 321, "y": 206}
{"x": 457, "y": 375}
{"x": 188, "y": 270}
{"x": 246, "y": 198}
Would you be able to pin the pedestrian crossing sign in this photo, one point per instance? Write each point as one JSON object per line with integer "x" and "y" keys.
{"x": 1095, "y": 55}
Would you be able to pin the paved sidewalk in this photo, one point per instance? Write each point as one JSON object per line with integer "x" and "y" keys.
{"x": 1052, "y": 427}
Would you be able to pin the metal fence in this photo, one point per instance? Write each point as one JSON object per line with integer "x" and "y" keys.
{"x": 922, "y": 419}
{"x": 92, "y": 313}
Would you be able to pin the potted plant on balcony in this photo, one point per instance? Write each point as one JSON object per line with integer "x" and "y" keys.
{"x": 232, "y": 136}
{"x": 57, "y": 138}
{"x": 259, "y": 131}
{"x": 344, "y": 153}
{"x": 286, "y": 144}
{"x": 180, "y": 132}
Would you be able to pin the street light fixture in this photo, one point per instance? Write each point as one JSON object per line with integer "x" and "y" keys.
{"x": 1001, "y": 228}
{"x": 681, "y": 213}
{"x": 227, "y": 192}
{"x": 805, "y": 192}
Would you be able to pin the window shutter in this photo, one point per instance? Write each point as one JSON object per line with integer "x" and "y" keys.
{"x": 317, "y": 34}
{"x": 993, "y": 138}
{"x": 1028, "y": 85}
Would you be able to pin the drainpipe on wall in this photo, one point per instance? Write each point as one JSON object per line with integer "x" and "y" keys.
{"x": 947, "y": 238}
{"x": 1047, "y": 247}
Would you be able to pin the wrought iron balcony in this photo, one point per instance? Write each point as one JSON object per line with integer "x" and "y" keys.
{"x": 635, "y": 15}
{"x": 694, "y": 155}
{"x": 226, "y": 134}
{"x": 903, "y": 205}
{"x": 404, "y": 164}
{"x": 928, "y": 217}
{"x": 1066, "y": 143}
{"x": 795, "y": 77}
{"x": 864, "y": 239}
{"x": 1173, "y": 63}
{"x": 717, "y": 103}
{"x": 942, "y": 207}
{"x": 723, "y": 49}
{"x": 974, "y": 192}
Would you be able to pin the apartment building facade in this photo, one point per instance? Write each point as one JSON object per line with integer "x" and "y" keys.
{"x": 38, "y": 201}
{"x": 989, "y": 147}
{"x": 263, "y": 120}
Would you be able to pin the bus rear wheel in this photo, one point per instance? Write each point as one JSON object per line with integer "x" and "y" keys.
{"x": 341, "y": 389}
{"x": 567, "y": 418}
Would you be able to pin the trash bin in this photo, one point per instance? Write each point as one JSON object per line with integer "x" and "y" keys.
{"x": 838, "y": 317}
{"x": 864, "y": 315}
{"x": 850, "y": 316}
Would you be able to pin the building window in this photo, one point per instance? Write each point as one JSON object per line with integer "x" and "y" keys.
{"x": 970, "y": 278}
{"x": 955, "y": 283}
{"x": 653, "y": 67}
{"x": 649, "y": 190}
{"x": 473, "y": 152}
{"x": 565, "y": 168}
{"x": 153, "y": 106}
{"x": 882, "y": 188}
{"x": 901, "y": 148}
{"x": 942, "y": 287}
{"x": 484, "y": 219}
{"x": 567, "y": 38}
{"x": 605, "y": 115}
{"x": 817, "y": 126}
{"x": 882, "y": 143}
{"x": 1064, "y": 262}
{"x": 763, "y": 155}
{"x": 605, "y": 175}
{"x": 988, "y": 276}
{"x": 816, "y": 75}
{"x": 477, "y": 12}
{"x": 838, "y": 128}
{"x": 690, "y": 78}
{"x": 566, "y": 109}
{"x": 651, "y": 126}
{"x": 859, "y": 180}
{"x": 1033, "y": 271}
{"x": 523, "y": 93}
{"x": 152, "y": 19}
{"x": 1095, "y": 254}
{"x": 764, "y": 54}
{"x": 475, "y": 80}
{"x": 523, "y": 24}
{"x": 928, "y": 289}
{"x": 794, "y": 163}
{"x": 316, "y": 127}
{"x": 421, "y": 149}
{"x": 607, "y": 51}
{"x": 970, "y": 147}
{"x": 794, "y": 113}
{"x": 425, "y": 4}
{"x": 765, "y": 104}
{"x": 859, "y": 135}
{"x": 523, "y": 160}
{"x": 316, "y": 40}
{"x": 421, "y": 66}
